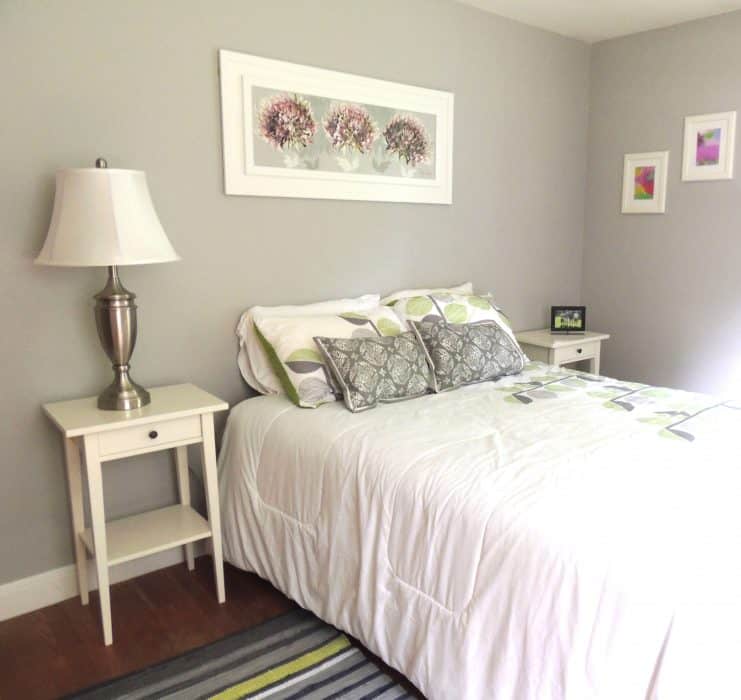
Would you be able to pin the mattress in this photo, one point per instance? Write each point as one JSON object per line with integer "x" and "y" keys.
{"x": 549, "y": 535}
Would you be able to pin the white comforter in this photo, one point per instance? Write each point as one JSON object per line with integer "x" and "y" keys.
{"x": 545, "y": 536}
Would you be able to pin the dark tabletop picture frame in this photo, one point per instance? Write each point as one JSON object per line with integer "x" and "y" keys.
{"x": 568, "y": 319}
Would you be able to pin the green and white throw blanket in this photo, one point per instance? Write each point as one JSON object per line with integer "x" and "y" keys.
{"x": 670, "y": 412}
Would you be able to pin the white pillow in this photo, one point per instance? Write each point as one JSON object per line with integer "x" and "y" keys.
{"x": 465, "y": 288}
{"x": 253, "y": 362}
{"x": 454, "y": 308}
{"x": 296, "y": 358}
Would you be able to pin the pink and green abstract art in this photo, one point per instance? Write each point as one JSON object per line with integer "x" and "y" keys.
{"x": 708, "y": 147}
{"x": 644, "y": 182}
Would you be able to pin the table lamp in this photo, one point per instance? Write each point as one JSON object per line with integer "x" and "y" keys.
{"x": 105, "y": 217}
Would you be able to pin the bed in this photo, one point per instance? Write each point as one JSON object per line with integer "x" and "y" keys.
{"x": 549, "y": 535}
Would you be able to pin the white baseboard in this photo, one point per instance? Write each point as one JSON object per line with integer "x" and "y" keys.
{"x": 49, "y": 587}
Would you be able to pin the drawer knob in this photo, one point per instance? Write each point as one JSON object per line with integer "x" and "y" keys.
{"x": 578, "y": 350}
{"x": 153, "y": 433}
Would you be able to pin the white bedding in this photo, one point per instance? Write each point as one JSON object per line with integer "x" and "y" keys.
{"x": 545, "y": 536}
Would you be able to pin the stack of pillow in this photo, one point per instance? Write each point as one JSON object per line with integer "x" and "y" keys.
{"x": 370, "y": 350}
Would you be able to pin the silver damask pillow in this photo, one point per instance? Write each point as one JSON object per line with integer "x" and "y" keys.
{"x": 377, "y": 370}
{"x": 467, "y": 353}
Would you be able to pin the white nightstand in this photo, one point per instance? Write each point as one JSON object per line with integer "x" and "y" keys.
{"x": 556, "y": 349}
{"x": 178, "y": 416}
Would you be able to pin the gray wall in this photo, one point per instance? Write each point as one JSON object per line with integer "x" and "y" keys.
{"x": 136, "y": 81}
{"x": 668, "y": 287}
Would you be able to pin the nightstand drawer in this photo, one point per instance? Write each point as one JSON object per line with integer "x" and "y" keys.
{"x": 142, "y": 438}
{"x": 573, "y": 353}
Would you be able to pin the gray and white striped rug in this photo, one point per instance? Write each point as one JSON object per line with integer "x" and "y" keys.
{"x": 293, "y": 656}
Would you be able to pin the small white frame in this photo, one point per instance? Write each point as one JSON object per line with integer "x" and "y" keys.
{"x": 723, "y": 170}
{"x": 660, "y": 161}
{"x": 239, "y": 72}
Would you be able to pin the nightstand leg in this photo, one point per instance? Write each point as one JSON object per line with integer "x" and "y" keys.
{"x": 181, "y": 463}
{"x": 594, "y": 362}
{"x": 74, "y": 483}
{"x": 208, "y": 454}
{"x": 97, "y": 515}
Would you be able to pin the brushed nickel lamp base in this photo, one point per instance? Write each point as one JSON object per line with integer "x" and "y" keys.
{"x": 115, "y": 319}
{"x": 123, "y": 393}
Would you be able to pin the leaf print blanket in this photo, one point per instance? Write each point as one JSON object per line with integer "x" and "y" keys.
{"x": 674, "y": 413}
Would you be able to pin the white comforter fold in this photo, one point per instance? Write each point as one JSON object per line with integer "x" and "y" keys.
{"x": 530, "y": 538}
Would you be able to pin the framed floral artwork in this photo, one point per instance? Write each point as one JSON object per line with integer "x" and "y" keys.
{"x": 644, "y": 182}
{"x": 298, "y": 131}
{"x": 709, "y": 146}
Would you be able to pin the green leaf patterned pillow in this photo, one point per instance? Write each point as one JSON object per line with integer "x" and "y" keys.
{"x": 453, "y": 308}
{"x": 295, "y": 357}
{"x": 377, "y": 370}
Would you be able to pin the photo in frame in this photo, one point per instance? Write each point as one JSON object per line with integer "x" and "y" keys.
{"x": 709, "y": 146}
{"x": 644, "y": 182}
{"x": 568, "y": 319}
{"x": 298, "y": 131}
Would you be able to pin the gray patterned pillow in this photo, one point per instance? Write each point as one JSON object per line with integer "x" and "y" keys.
{"x": 377, "y": 370}
{"x": 467, "y": 353}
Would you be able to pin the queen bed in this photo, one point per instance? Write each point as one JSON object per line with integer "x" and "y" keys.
{"x": 550, "y": 535}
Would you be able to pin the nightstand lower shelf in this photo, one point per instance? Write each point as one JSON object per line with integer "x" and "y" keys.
{"x": 148, "y": 533}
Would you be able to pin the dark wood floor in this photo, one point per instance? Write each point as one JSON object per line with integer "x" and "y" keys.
{"x": 59, "y": 649}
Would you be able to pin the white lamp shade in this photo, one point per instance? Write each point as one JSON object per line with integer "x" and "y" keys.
{"x": 104, "y": 217}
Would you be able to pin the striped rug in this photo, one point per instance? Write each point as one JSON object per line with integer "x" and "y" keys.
{"x": 293, "y": 656}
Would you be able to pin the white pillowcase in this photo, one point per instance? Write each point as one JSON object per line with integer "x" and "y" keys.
{"x": 254, "y": 363}
{"x": 300, "y": 365}
{"x": 465, "y": 288}
{"x": 453, "y": 308}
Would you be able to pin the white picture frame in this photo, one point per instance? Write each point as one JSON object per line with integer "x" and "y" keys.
{"x": 713, "y": 159}
{"x": 645, "y": 192}
{"x": 251, "y": 86}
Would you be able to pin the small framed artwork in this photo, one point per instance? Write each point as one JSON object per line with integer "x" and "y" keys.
{"x": 709, "y": 144}
{"x": 644, "y": 182}
{"x": 568, "y": 319}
